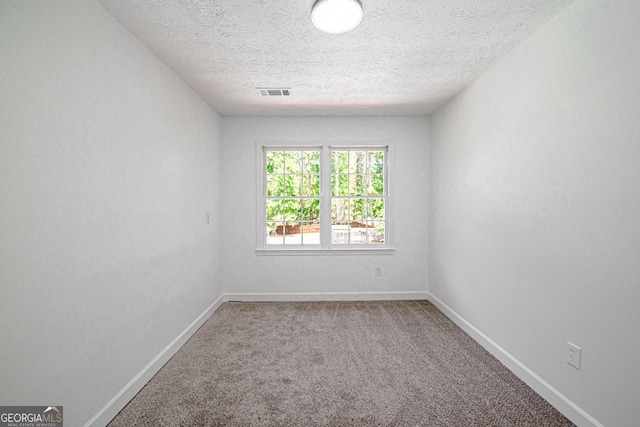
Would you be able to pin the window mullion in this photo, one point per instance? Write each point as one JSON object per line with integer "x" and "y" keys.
{"x": 325, "y": 196}
{"x": 262, "y": 198}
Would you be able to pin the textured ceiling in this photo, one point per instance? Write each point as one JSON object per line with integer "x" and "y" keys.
{"x": 406, "y": 57}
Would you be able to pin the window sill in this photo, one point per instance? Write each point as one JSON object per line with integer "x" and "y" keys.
{"x": 323, "y": 252}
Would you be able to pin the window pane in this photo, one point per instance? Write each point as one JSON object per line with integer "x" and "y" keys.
{"x": 273, "y": 238}
{"x": 357, "y": 234}
{"x": 311, "y": 162}
{"x": 366, "y": 212}
{"x": 339, "y": 211}
{"x": 291, "y": 209}
{"x": 339, "y": 162}
{"x": 292, "y": 235}
{"x": 311, "y": 210}
{"x": 292, "y": 185}
{"x": 375, "y": 185}
{"x": 310, "y": 185}
{"x": 340, "y": 185}
{"x": 375, "y": 233}
{"x": 293, "y": 162}
{"x": 339, "y": 234}
{"x": 375, "y": 162}
{"x": 275, "y": 162}
{"x": 310, "y": 233}
{"x": 358, "y": 210}
{"x": 274, "y": 210}
{"x": 357, "y": 161}
{"x": 377, "y": 209}
{"x": 275, "y": 185}
{"x": 356, "y": 185}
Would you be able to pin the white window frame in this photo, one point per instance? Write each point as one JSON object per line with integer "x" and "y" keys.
{"x": 325, "y": 247}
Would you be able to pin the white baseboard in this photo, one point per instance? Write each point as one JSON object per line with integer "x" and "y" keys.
{"x": 327, "y": 296}
{"x": 548, "y": 392}
{"x": 120, "y": 400}
{"x": 563, "y": 404}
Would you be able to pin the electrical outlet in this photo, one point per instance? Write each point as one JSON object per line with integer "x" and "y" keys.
{"x": 207, "y": 218}
{"x": 574, "y": 354}
{"x": 378, "y": 271}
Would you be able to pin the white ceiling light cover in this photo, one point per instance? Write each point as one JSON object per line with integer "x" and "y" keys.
{"x": 336, "y": 16}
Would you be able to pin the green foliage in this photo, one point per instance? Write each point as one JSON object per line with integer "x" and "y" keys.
{"x": 356, "y": 174}
{"x": 365, "y": 211}
{"x": 357, "y": 182}
{"x": 294, "y": 174}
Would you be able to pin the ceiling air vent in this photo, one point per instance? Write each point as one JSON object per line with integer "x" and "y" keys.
{"x": 274, "y": 91}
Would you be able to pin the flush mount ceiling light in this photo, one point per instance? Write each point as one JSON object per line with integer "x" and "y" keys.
{"x": 336, "y": 16}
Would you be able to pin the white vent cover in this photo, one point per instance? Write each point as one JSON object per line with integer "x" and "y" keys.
{"x": 274, "y": 91}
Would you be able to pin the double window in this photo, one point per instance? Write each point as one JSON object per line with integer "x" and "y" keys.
{"x": 323, "y": 197}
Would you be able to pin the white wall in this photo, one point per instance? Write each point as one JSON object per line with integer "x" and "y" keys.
{"x": 108, "y": 163}
{"x": 405, "y": 271}
{"x": 535, "y": 206}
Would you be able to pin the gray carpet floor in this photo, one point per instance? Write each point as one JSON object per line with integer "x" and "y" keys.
{"x": 382, "y": 363}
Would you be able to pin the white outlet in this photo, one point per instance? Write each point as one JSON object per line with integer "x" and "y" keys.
{"x": 378, "y": 271}
{"x": 207, "y": 218}
{"x": 574, "y": 354}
